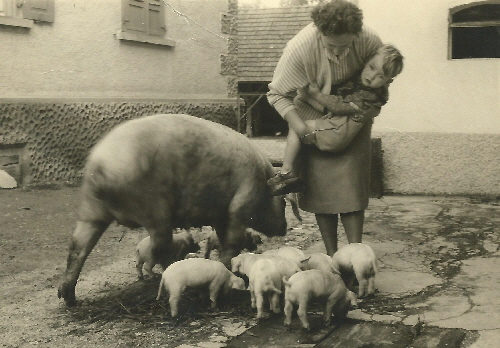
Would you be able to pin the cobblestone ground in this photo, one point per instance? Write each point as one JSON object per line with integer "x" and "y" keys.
{"x": 115, "y": 310}
{"x": 438, "y": 262}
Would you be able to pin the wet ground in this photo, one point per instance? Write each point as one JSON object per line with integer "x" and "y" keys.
{"x": 439, "y": 271}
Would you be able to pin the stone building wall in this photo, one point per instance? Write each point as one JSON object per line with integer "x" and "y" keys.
{"x": 51, "y": 140}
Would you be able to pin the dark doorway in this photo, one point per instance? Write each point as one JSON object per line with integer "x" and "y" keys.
{"x": 257, "y": 117}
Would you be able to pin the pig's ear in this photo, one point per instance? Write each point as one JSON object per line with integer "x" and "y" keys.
{"x": 292, "y": 198}
{"x": 304, "y": 264}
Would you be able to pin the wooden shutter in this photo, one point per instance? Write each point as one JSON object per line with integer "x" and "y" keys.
{"x": 39, "y": 10}
{"x": 145, "y": 17}
{"x": 135, "y": 16}
{"x": 156, "y": 18}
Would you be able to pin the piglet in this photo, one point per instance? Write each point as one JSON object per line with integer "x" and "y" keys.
{"x": 182, "y": 244}
{"x": 292, "y": 253}
{"x": 252, "y": 239}
{"x": 303, "y": 287}
{"x": 197, "y": 272}
{"x": 357, "y": 260}
{"x": 265, "y": 282}
{"x": 243, "y": 263}
{"x": 319, "y": 261}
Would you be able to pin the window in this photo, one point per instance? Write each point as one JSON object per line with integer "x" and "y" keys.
{"x": 475, "y": 30}
{"x": 144, "y": 21}
{"x": 25, "y": 13}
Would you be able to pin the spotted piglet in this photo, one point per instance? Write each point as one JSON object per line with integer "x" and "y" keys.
{"x": 289, "y": 252}
{"x": 357, "y": 260}
{"x": 182, "y": 244}
{"x": 197, "y": 272}
{"x": 319, "y": 261}
{"x": 305, "y": 286}
{"x": 252, "y": 239}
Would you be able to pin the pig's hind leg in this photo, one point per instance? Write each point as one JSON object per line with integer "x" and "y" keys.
{"x": 288, "y": 311}
{"x": 259, "y": 302}
{"x": 85, "y": 237}
{"x": 302, "y": 312}
{"x": 361, "y": 272}
{"x": 175, "y": 293}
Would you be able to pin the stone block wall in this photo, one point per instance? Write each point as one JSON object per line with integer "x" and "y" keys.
{"x": 51, "y": 140}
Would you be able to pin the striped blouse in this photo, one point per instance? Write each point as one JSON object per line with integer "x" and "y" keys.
{"x": 306, "y": 60}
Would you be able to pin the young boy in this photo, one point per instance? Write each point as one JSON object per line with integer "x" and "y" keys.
{"x": 370, "y": 88}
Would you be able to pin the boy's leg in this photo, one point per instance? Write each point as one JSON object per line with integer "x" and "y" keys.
{"x": 353, "y": 225}
{"x": 292, "y": 148}
{"x": 287, "y": 179}
{"x": 328, "y": 224}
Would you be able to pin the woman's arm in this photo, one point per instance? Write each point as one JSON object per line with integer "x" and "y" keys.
{"x": 289, "y": 76}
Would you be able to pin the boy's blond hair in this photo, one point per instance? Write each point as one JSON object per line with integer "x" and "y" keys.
{"x": 393, "y": 60}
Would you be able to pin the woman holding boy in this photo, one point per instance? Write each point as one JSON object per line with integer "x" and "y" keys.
{"x": 336, "y": 174}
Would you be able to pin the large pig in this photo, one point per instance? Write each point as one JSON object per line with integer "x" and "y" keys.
{"x": 173, "y": 171}
{"x": 197, "y": 272}
{"x": 182, "y": 244}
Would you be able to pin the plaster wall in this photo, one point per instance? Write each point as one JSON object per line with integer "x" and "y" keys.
{"x": 440, "y": 163}
{"x": 433, "y": 93}
{"x": 440, "y": 129}
{"x": 79, "y": 56}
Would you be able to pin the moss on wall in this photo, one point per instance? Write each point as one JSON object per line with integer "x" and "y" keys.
{"x": 56, "y": 137}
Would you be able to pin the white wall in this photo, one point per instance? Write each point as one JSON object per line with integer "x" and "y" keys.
{"x": 79, "y": 56}
{"x": 433, "y": 93}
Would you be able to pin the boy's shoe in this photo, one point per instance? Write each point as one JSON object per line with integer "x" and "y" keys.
{"x": 296, "y": 185}
{"x": 281, "y": 178}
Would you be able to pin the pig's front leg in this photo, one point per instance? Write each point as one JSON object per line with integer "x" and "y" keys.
{"x": 148, "y": 269}
{"x": 138, "y": 267}
{"x": 252, "y": 296}
{"x": 327, "y": 314}
{"x": 85, "y": 237}
{"x": 232, "y": 234}
{"x": 231, "y": 240}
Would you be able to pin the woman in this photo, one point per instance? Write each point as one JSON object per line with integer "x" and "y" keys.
{"x": 327, "y": 52}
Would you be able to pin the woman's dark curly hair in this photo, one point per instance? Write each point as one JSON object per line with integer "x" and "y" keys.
{"x": 337, "y": 17}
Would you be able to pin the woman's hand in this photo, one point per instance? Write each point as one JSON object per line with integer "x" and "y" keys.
{"x": 364, "y": 114}
{"x": 310, "y": 136}
{"x": 313, "y": 89}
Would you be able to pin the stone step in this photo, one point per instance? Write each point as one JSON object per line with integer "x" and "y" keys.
{"x": 351, "y": 333}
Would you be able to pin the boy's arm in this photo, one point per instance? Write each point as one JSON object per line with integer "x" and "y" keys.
{"x": 334, "y": 103}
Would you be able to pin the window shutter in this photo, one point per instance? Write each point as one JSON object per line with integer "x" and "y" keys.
{"x": 39, "y": 10}
{"x": 135, "y": 16}
{"x": 156, "y": 18}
